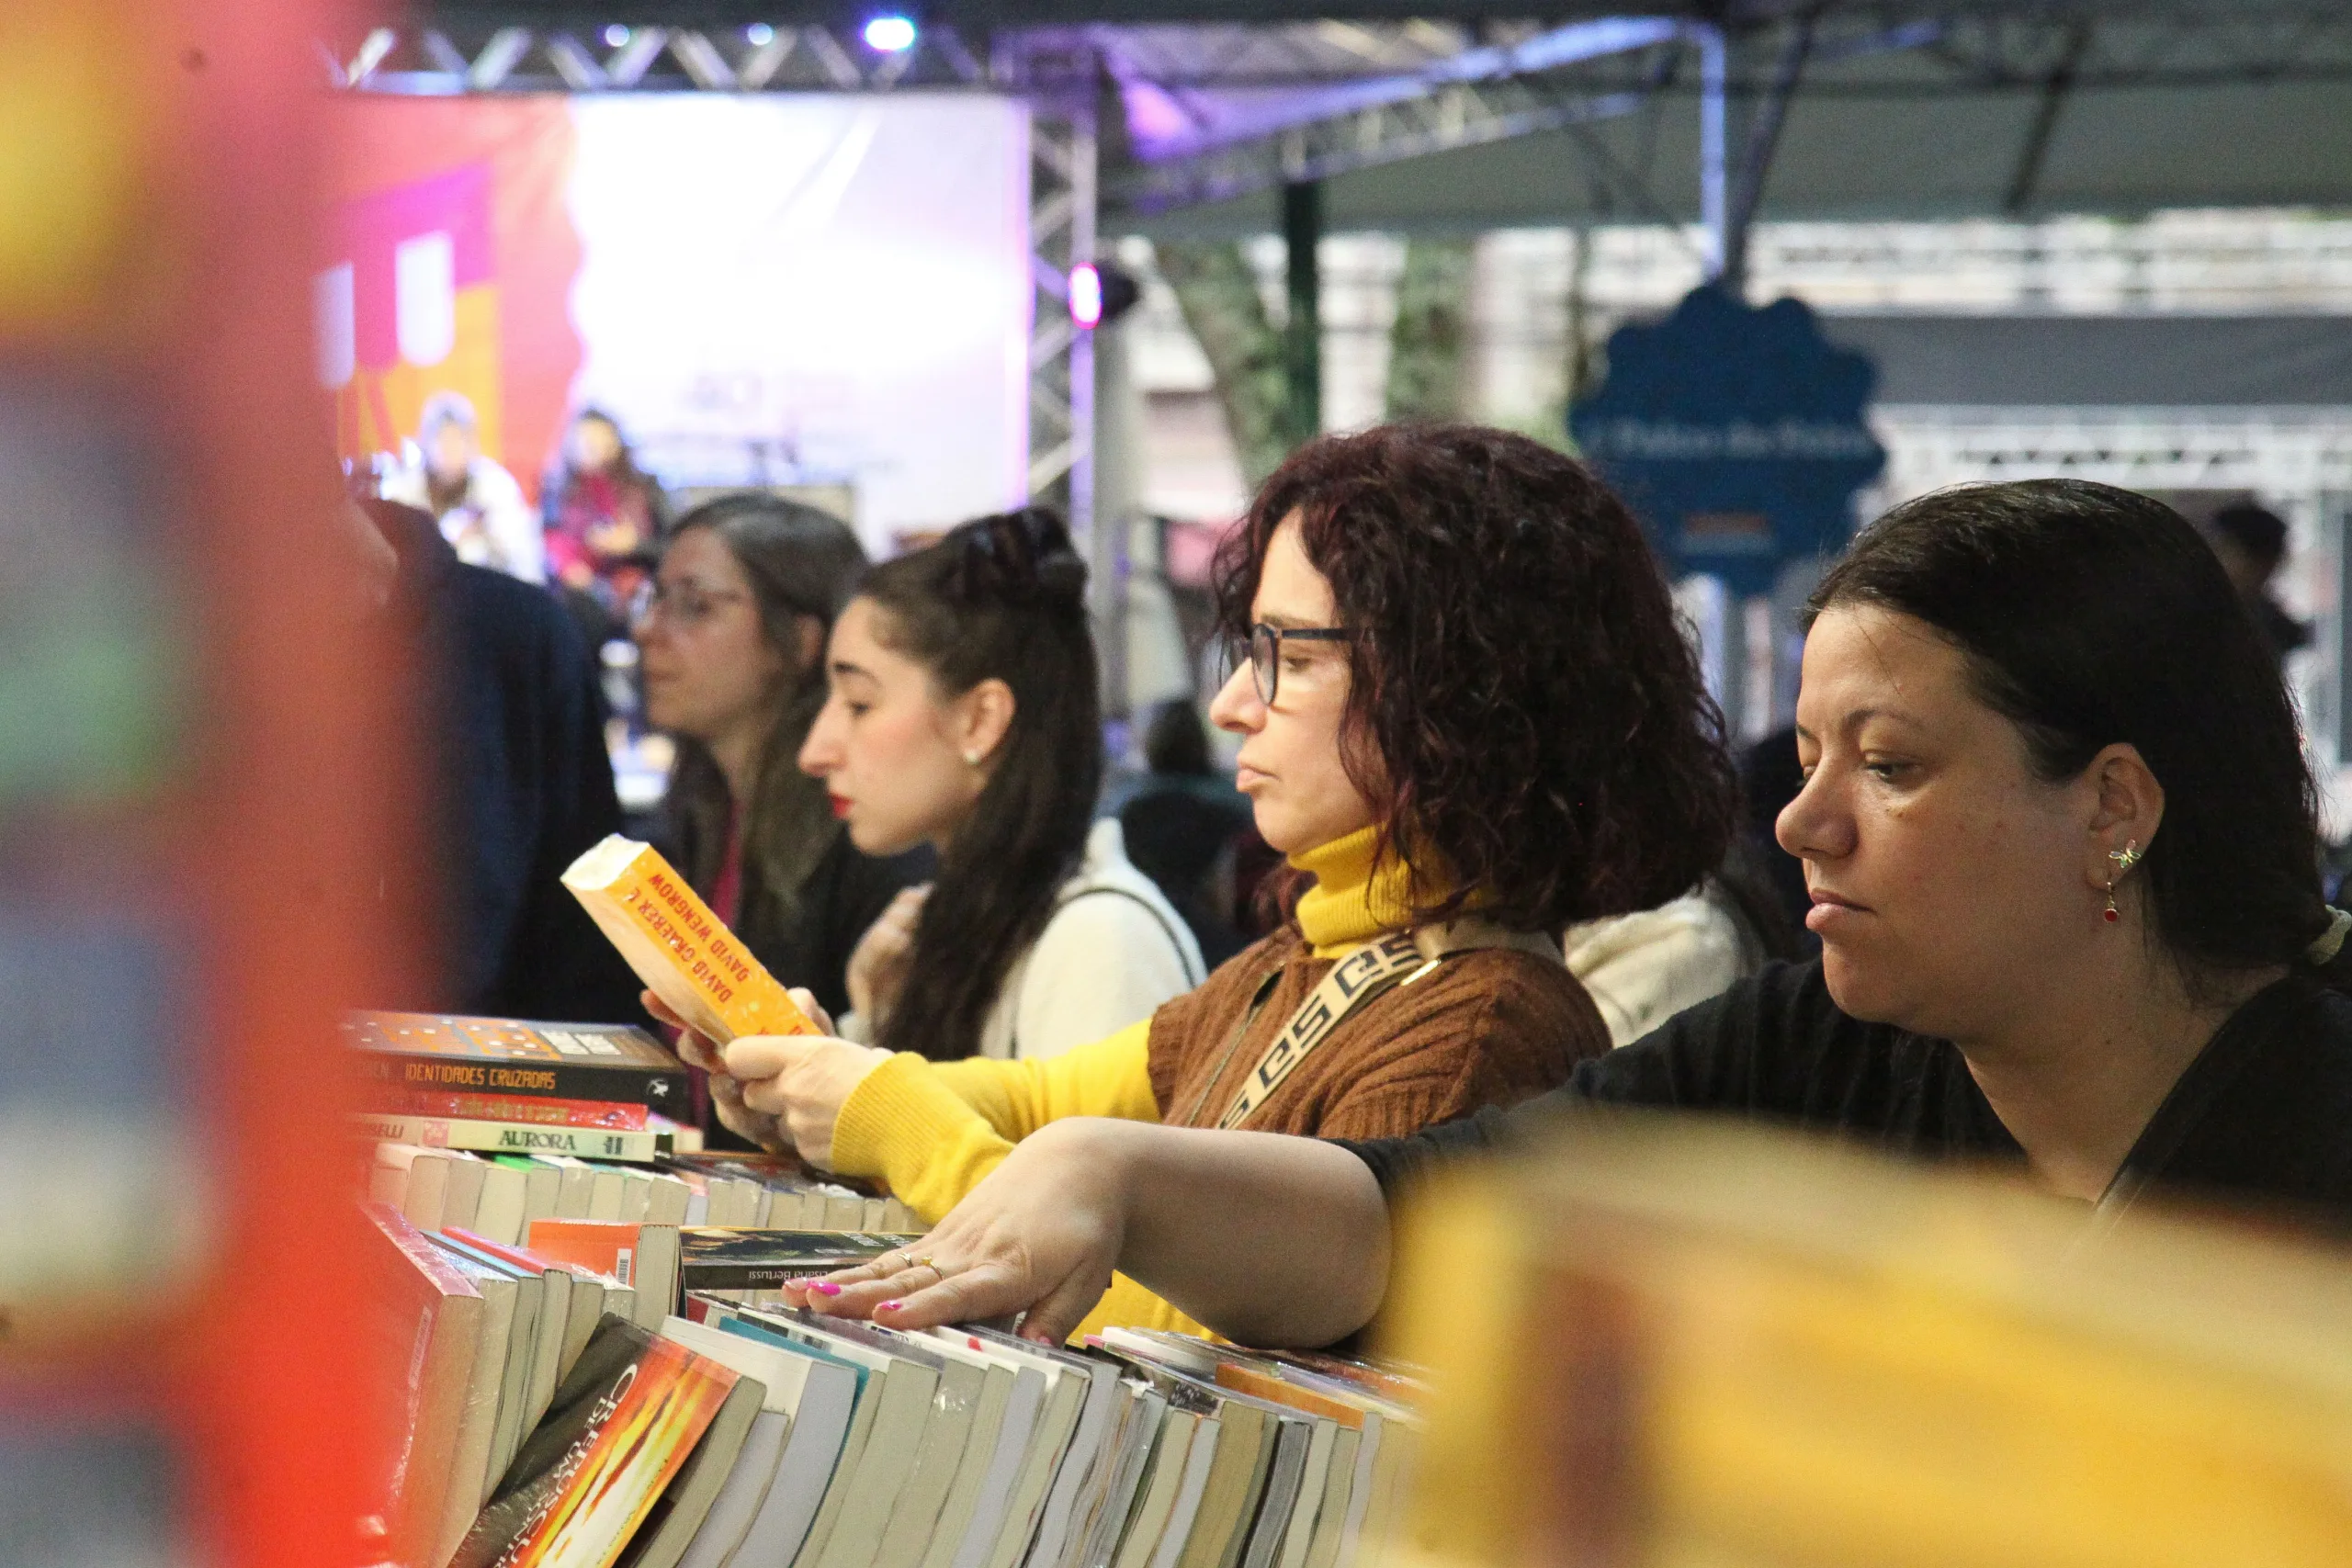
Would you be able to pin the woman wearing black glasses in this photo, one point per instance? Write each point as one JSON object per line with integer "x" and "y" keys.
{"x": 1469, "y": 720}
{"x": 732, "y": 646}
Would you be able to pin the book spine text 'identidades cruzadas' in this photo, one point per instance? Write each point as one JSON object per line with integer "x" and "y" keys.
{"x": 681, "y": 951}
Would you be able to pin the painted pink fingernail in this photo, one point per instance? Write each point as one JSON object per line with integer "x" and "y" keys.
{"x": 825, "y": 1287}
{"x": 890, "y": 1306}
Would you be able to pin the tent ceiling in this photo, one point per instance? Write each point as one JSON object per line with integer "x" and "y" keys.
{"x": 984, "y": 15}
{"x": 1417, "y": 118}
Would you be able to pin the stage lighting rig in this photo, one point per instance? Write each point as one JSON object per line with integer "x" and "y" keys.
{"x": 1100, "y": 293}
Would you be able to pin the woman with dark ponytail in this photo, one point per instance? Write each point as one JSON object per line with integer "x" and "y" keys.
{"x": 963, "y": 713}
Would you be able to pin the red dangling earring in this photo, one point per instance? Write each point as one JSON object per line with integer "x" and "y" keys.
{"x": 2125, "y": 859}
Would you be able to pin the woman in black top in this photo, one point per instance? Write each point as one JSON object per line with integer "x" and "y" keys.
{"x": 2060, "y": 842}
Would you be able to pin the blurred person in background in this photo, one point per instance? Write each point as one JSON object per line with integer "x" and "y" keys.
{"x": 480, "y": 507}
{"x": 732, "y": 646}
{"x": 1645, "y": 968}
{"x": 512, "y": 726}
{"x": 1469, "y": 718}
{"x": 603, "y": 518}
{"x": 1769, "y": 777}
{"x": 2252, "y": 544}
{"x": 1182, "y": 820}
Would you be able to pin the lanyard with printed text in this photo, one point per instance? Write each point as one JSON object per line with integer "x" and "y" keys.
{"x": 1354, "y": 980}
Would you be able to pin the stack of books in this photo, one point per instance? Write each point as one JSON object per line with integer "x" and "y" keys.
{"x": 504, "y": 1086}
{"x": 495, "y": 1124}
{"x": 549, "y": 1422}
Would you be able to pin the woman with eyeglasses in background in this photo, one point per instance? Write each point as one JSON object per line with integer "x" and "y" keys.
{"x": 732, "y": 646}
{"x": 1469, "y": 719}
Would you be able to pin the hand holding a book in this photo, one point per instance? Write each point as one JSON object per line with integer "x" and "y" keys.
{"x": 877, "y": 966}
{"x": 782, "y": 1092}
{"x": 725, "y": 1092}
{"x": 800, "y": 1081}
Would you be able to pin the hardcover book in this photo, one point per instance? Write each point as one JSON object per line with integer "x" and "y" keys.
{"x": 681, "y": 951}
{"x": 447, "y": 1053}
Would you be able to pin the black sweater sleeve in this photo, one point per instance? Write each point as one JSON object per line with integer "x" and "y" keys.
{"x": 1757, "y": 1049}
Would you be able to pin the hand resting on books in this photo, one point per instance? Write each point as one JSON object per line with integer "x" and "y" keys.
{"x": 781, "y": 1091}
{"x": 1269, "y": 1240}
{"x": 1040, "y": 1234}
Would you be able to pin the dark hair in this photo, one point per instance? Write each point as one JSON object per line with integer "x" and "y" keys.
{"x": 1549, "y": 752}
{"x": 1001, "y": 597}
{"x": 802, "y": 564}
{"x": 1176, "y": 741}
{"x": 2090, "y": 617}
{"x": 2258, "y": 531}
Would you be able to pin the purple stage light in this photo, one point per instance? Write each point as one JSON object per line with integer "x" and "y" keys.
{"x": 1085, "y": 295}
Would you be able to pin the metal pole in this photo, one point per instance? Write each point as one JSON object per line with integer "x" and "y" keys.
{"x": 1714, "y": 186}
{"x": 1082, "y": 193}
{"x": 1303, "y": 340}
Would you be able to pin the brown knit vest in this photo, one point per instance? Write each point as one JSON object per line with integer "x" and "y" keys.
{"x": 1489, "y": 1026}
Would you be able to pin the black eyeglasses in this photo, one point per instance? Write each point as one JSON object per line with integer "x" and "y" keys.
{"x": 1265, "y": 652}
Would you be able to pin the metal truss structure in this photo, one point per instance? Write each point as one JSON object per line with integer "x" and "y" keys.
{"x": 1424, "y": 100}
{"x": 1217, "y": 111}
{"x": 1062, "y": 155}
{"x": 439, "y": 61}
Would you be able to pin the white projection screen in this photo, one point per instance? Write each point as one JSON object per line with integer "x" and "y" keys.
{"x": 822, "y": 289}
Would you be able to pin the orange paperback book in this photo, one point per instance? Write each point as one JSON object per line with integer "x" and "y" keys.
{"x": 622, "y": 1424}
{"x": 681, "y": 951}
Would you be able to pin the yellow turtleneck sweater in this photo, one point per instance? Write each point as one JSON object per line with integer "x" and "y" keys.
{"x": 932, "y": 1130}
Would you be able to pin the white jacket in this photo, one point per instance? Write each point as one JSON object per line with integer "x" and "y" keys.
{"x": 1645, "y": 968}
{"x": 1114, "y": 950}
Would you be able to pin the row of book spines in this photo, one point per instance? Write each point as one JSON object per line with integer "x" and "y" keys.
{"x": 798, "y": 1205}
{"x": 1133, "y": 1479}
{"x": 504, "y": 1196}
{"x": 499, "y": 1197}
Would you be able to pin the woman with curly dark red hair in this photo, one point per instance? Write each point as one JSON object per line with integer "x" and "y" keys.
{"x": 1469, "y": 719}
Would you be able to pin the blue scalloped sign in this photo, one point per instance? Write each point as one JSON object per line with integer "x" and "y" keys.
{"x": 1737, "y": 434}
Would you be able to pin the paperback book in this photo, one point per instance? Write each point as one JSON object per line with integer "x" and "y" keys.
{"x": 622, "y": 1426}
{"x": 447, "y": 1053}
{"x": 516, "y": 1137}
{"x": 683, "y": 952}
